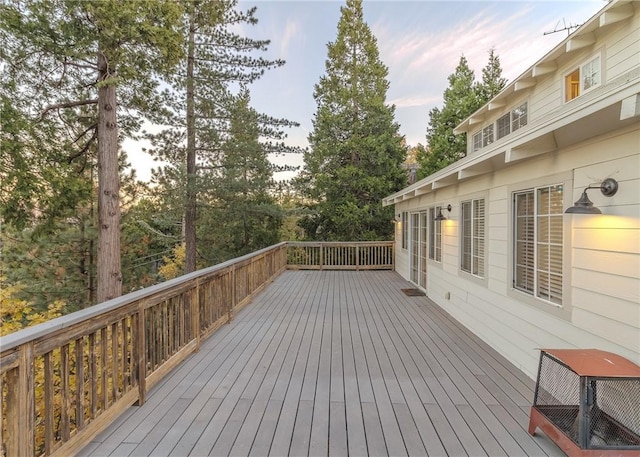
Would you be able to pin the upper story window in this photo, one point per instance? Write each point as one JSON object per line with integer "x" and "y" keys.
{"x": 519, "y": 117}
{"x": 487, "y": 135}
{"x": 477, "y": 141}
{"x": 582, "y": 79}
{"x": 505, "y": 125}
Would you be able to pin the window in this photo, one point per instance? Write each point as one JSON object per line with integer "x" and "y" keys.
{"x": 405, "y": 229}
{"x": 487, "y": 135}
{"x": 582, "y": 79}
{"x": 538, "y": 243}
{"x": 435, "y": 235}
{"x": 472, "y": 228}
{"x": 477, "y": 141}
{"x": 519, "y": 117}
{"x": 591, "y": 74}
{"x": 504, "y": 125}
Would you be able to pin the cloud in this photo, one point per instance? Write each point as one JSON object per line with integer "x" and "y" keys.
{"x": 414, "y": 100}
{"x": 287, "y": 36}
{"x": 422, "y": 50}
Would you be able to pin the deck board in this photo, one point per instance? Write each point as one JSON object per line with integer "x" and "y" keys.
{"x": 335, "y": 363}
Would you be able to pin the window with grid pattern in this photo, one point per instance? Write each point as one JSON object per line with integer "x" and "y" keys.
{"x": 435, "y": 235}
{"x": 582, "y": 79}
{"x": 519, "y": 117}
{"x": 477, "y": 141}
{"x": 504, "y": 125}
{"x": 538, "y": 243}
{"x": 473, "y": 237}
{"x": 487, "y": 135}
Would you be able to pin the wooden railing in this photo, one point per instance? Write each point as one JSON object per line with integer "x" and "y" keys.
{"x": 64, "y": 381}
{"x": 367, "y": 255}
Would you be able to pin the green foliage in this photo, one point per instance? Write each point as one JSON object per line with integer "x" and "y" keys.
{"x": 57, "y": 56}
{"x": 51, "y": 267}
{"x": 213, "y": 136}
{"x": 461, "y": 99}
{"x": 492, "y": 80}
{"x": 356, "y": 150}
{"x": 243, "y": 215}
{"x": 147, "y": 234}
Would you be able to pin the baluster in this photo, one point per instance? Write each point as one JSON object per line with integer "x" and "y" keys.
{"x": 104, "y": 375}
{"x": 93, "y": 380}
{"x": 125, "y": 355}
{"x": 65, "y": 430}
{"x": 79, "y": 369}
{"x": 114, "y": 362}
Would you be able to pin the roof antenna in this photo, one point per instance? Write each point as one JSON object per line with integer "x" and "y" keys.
{"x": 564, "y": 27}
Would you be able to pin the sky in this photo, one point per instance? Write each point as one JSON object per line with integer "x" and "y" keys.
{"x": 419, "y": 41}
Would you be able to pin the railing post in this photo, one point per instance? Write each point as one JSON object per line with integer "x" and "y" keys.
{"x": 393, "y": 256}
{"x": 140, "y": 354}
{"x": 321, "y": 255}
{"x": 20, "y": 403}
{"x": 357, "y": 257}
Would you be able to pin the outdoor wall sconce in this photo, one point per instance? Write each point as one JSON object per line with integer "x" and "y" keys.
{"x": 608, "y": 187}
{"x": 440, "y": 216}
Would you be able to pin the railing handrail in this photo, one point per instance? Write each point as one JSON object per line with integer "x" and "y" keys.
{"x": 15, "y": 339}
{"x": 340, "y": 243}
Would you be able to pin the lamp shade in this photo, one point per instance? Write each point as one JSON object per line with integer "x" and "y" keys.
{"x": 440, "y": 216}
{"x": 583, "y": 206}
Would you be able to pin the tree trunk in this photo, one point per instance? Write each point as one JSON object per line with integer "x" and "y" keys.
{"x": 190, "y": 204}
{"x": 109, "y": 273}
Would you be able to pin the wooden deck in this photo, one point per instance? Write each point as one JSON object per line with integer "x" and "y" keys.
{"x": 335, "y": 363}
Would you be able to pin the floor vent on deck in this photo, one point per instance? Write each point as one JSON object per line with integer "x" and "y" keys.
{"x": 413, "y": 292}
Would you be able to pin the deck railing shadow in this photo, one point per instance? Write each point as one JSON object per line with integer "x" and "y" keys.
{"x": 64, "y": 381}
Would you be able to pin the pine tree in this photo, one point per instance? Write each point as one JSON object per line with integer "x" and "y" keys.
{"x": 356, "y": 150}
{"x": 243, "y": 216}
{"x": 201, "y": 101}
{"x": 492, "y": 80}
{"x": 461, "y": 99}
{"x": 80, "y": 70}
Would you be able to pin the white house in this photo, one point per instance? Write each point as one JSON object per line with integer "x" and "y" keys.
{"x": 508, "y": 262}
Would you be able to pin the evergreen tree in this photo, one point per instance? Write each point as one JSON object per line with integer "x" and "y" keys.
{"x": 492, "y": 80}
{"x": 461, "y": 99}
{"x": 200, "y": 100}
{"x": 79, "y": 70}
{"x": 244, "y": 216}
{"x": 356, "y": 150}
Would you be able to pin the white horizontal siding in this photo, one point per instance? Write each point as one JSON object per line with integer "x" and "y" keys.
{"x": 625, "y": 335}
{"x": 611, "y": 308}
{"x": 602, "y": 290}
{"x": 546, "y": 97}
{"x": 623, "y": 47}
